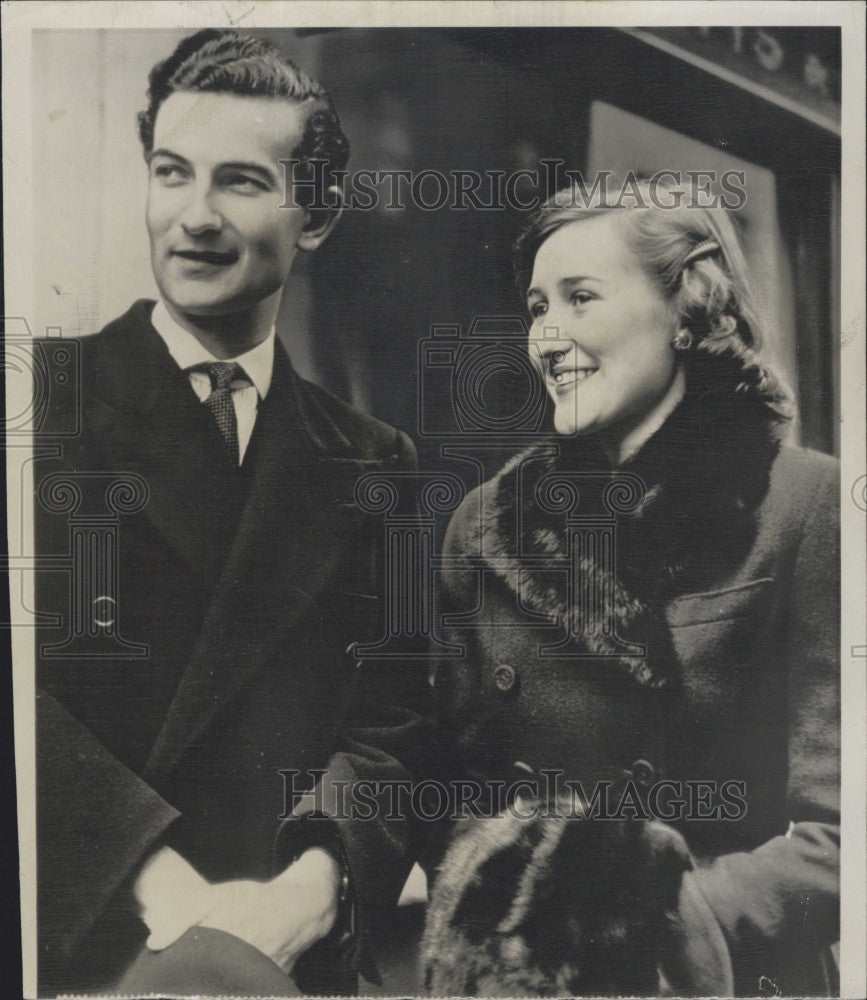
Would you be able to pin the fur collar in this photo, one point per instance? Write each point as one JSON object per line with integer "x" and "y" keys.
{"x": 703, "y": 473}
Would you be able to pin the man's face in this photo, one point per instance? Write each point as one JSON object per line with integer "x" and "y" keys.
{"x": 220, "y": 242}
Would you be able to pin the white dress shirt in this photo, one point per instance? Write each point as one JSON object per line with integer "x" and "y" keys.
{"x": 258, "y": 365}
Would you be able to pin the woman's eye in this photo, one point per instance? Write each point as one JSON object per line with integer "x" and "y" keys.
{"x": 538, "y": 309}
{"x": 580, "y": 298}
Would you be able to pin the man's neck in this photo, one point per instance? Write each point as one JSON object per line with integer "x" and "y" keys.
{"x": 227, "y": 336}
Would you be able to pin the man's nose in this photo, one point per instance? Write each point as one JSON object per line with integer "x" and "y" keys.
{"x": 199, "y": 215}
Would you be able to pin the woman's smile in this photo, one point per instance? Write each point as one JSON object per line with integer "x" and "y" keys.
{"x": 567, "y": 378}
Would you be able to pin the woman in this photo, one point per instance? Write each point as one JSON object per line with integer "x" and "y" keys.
{"x": 723, "y": 567}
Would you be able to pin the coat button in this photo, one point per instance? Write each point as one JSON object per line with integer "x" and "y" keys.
{"x": 643, "y": 772}
{"x": 505, "y": 677}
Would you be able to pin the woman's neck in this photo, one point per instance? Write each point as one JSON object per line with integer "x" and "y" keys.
{"x": 620, "y": 446}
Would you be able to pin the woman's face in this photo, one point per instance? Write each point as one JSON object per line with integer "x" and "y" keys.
{"x": 601, "y": 334}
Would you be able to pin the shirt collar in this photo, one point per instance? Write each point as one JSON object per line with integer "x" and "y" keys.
{"x": 258, "y": 362}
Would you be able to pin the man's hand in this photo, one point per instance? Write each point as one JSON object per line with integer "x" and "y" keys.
{"x": 171, "y": 896}
{"x": 281, "y": 918}
{"x": 285, "y": 916}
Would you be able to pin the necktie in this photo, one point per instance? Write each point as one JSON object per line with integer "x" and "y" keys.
{"x": 222, "y": 375}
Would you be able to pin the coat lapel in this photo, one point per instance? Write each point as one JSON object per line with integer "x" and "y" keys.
{"x": 150, "y": 422}
{"x": 297, "y": 524}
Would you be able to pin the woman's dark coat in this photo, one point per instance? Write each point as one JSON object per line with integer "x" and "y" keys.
{"x": 727, "y": 570}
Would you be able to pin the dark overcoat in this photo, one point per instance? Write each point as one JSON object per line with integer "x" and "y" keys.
{"x": 724, "y": 565}
{"x": 203, "y": 644}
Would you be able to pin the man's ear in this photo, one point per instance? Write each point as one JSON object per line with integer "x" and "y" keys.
{"x": 321, "y": 221}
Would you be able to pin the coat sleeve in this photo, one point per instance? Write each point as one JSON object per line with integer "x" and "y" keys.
{"x": 383, "y": 746}
{"x": 784, "y": 895}
{"x": 95, "y": 821}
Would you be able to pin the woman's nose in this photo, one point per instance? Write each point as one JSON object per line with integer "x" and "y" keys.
{"x": 551, "y": 334}
{"x": 549, "y": 353}
{"x": 199, "y": 215}
{"x": 553, "y": 326}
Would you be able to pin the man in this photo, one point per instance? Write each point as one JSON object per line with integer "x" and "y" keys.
{"x": 222, "y": 630}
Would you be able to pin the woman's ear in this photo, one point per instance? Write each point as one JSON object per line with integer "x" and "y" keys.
{"x": 321, "y": 221}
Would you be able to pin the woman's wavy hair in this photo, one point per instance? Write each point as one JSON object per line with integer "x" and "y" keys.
{"x": 225, "y": 61}
{"x": 694, "y": 257}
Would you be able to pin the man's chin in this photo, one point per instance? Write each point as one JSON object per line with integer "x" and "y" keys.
{"x": 199, "y": 310}
{"x": 204, "y": 303}
{"x": 208, "y": 307}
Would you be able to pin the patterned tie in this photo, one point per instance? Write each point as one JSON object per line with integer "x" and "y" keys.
{"x": 222, "y": 375}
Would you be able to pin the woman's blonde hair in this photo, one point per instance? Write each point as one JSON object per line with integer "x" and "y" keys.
{"x": 694, "y": 257}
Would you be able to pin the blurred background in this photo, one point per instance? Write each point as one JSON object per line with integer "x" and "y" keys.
{"x": 764, "y": 101}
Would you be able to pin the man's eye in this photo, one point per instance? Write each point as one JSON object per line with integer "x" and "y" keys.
{"x": 538, "y": 309}
{"x": 242, "y": 182}
{"x": 169, "y": 172}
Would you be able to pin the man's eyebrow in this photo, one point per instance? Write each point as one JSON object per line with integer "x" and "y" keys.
{"x": 258, "y": 168}
{"x": 167, "y": 152}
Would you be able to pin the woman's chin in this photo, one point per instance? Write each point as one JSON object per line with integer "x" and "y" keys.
{"x": 566, "y": 425}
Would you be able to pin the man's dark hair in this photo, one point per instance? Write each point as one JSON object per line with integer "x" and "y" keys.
{"x": 224, "y": 61}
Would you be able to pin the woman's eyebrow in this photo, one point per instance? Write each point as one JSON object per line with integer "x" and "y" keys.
{"x": 578, "y": 278}
{"x": 574, "y": 279}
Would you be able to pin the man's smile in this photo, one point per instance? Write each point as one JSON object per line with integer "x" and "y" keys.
{"x": 213, "y": 257}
